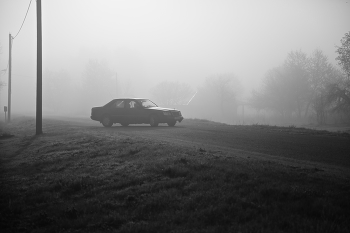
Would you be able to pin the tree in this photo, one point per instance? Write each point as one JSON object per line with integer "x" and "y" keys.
{"x": 297, "y": 76}
{"x": 274, "y": 94}
{"x": 322, "y": 74}
{"x": 338, "y": 94}
{"x": 344, "y": 54}
{"x": 285, "y": 88}
{"x": 300, "y": 83}
{"x": 172, "y": 93}
{"x": 222, "y": 90}
{"x": 339, "y": 91}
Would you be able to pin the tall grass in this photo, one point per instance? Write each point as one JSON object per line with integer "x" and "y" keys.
{"x": 81, "y": 183}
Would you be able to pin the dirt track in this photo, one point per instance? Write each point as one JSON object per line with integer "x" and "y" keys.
{"x": 319, "y": 150}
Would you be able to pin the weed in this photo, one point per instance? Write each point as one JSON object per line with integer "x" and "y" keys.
{"x": 6, "y": 135}
{"x": 134, "y": 151}
{"x": 202, "y": 150}
{"x": 85, "y": 184}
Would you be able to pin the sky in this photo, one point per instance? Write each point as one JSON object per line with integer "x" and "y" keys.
{"x": 148, "y": 41}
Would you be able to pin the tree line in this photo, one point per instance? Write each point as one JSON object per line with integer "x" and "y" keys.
{"x": 306, "y": 84}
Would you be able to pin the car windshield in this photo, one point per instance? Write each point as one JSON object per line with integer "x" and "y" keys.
{"x": 147, "y": 103}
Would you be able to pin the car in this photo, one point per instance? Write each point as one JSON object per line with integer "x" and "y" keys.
{"x": 127, "y": 111}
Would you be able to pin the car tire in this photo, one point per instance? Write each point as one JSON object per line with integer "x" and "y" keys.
{"x": 171, "y": 123}
{"x": 153, "y": 121}
{"x": 106, "y": 121}
{"x": 124, "y": 124}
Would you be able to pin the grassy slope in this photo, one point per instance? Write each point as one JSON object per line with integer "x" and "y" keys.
{"x": 66, "y": 180}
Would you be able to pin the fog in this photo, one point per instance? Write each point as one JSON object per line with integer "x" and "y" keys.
{"x": 144, "y": 43}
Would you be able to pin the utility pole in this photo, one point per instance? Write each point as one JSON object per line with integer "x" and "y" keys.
{"x": 9, "y": 84}
{"x": 116, "y": 85}
{"x": 39, "y": 112}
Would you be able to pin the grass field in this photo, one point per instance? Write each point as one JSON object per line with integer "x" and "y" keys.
{"x": 66, "y": 181}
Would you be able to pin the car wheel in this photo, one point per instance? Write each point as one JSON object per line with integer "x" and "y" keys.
{"x": 171, "y": 123}
{"x": 153, "y": 121}
{"x": 124, "y": 124}
{"x": 106, "y": 121}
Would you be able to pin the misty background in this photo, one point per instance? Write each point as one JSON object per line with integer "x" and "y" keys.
{"x": 209, "y": 59}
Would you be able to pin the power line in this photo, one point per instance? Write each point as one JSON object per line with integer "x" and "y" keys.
{"x": 23, "y": 21}
{"x": 5, "y": 70}
{"x": 8, "y": 62}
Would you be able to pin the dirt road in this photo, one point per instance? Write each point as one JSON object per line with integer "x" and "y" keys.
{"x": 320, "y": 150}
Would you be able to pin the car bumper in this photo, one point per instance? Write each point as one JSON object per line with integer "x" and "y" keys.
{"x": 179, "y": 119}
{"x": 166, "y": 119}
{"x": 94, "y": 118}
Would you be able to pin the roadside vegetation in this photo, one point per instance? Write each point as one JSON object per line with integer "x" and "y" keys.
{"x": 70, "y": 181}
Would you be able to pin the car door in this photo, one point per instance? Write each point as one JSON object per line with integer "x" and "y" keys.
{"x": 135, "y": 112}
{"x": 117, "y": 111}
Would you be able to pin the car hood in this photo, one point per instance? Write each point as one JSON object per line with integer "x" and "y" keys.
{"x": 163, "y": 109}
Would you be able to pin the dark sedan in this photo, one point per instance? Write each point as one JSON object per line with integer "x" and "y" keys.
{"x": 134, "y": 111}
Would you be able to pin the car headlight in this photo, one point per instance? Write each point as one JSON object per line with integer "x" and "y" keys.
{"x": 166, "y": 113}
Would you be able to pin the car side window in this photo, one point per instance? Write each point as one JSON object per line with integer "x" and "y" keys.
{"x": 134, "y": 104}
{"x": 119, "y": 104}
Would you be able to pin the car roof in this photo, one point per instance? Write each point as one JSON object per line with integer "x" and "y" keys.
{"x": 131, "y": 99}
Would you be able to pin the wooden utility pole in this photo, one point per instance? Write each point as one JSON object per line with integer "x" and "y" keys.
{"x": 39, "y": 111}
{"x": 243, "y": 112}
{"x": 9, "y": 85}
{"x": 116, "y": 85}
